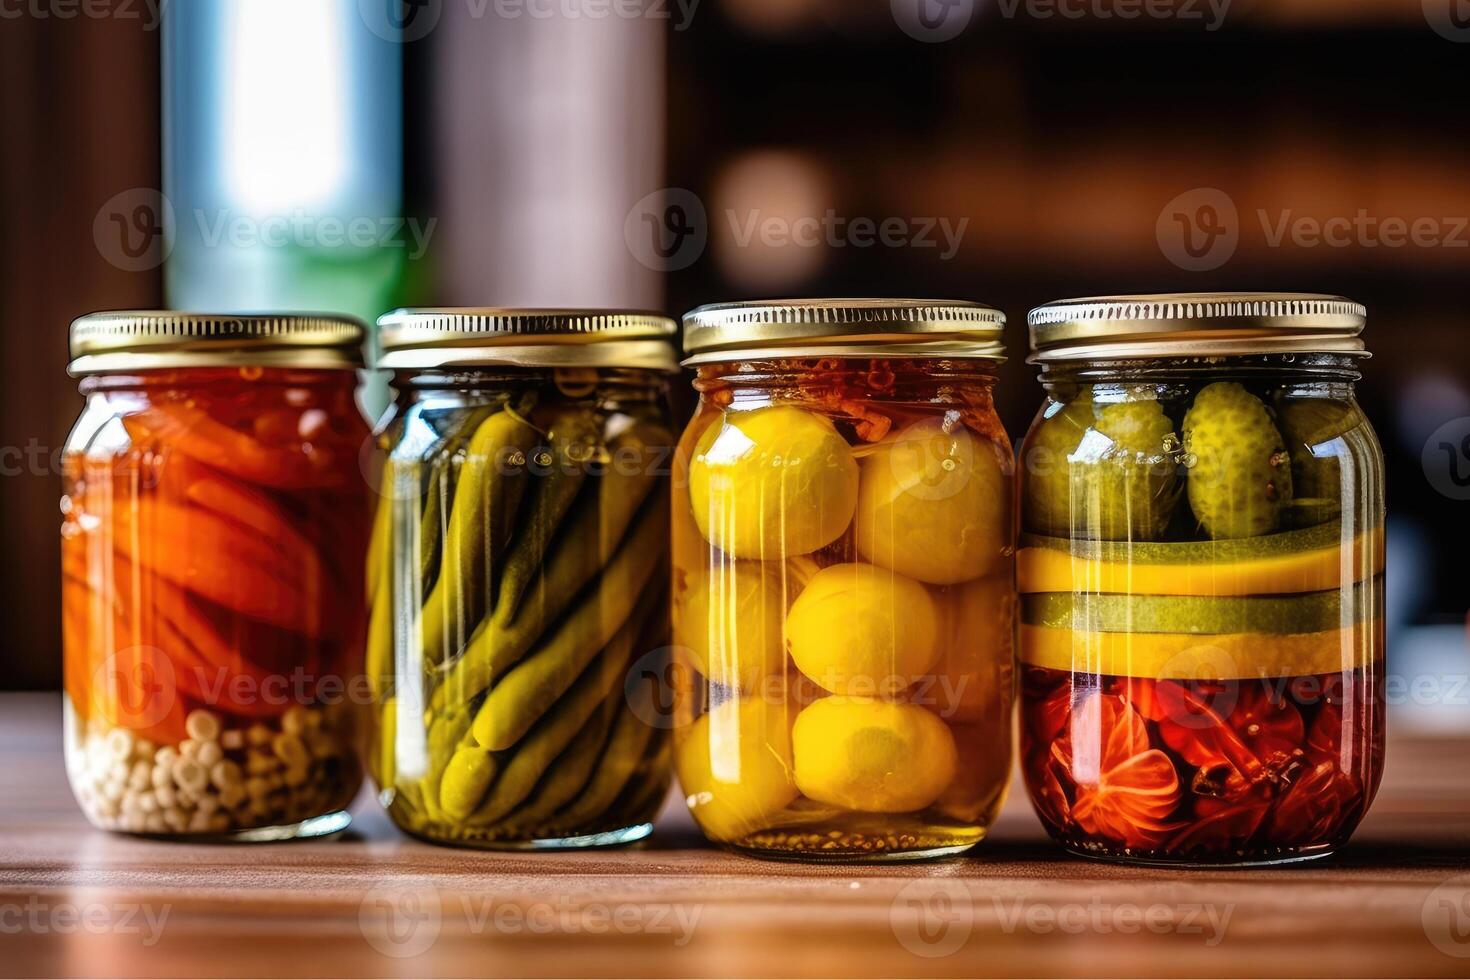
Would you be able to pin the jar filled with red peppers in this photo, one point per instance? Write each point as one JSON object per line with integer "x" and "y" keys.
{"x": 843, "y": 590}
{"x": 1201, "y": 576}
{"x": 214, "y": 523}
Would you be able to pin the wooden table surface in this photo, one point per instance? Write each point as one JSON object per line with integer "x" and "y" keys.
{"x": 80, "y": 902}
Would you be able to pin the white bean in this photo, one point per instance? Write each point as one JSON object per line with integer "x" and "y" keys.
{"x": 202, "y": 726}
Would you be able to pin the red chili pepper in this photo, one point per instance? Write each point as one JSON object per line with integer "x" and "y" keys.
{"x": 1140, "y": 694}
{"x": 1315, "y": 807}
{"x": 1259, "y": 731}
{"x": 1324, "y": 738}
{"x": 1126, "y": 789}
{"x": 1046, "y": 707}
{"x": 1048, "y": 794}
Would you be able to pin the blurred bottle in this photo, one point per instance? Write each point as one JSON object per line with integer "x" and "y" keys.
{"x": 283, "y": 159}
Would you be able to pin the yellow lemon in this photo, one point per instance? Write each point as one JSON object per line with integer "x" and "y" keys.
{"x": 734, "y": 765}
{"x": 861, "y": 630}
{"x": 975, "y": 673}
{"x": 772, "y": 483}
{"x": 876, "y": 756}
{"x": 732, "y": 622}
{"x": 934, "y": 504}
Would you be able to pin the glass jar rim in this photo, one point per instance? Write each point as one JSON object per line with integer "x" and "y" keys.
{"x": 1194, "y": 324}
{"x": 128, "y": 341}
{"x": 842, "y": 327}
{"x": 468, "y": 337}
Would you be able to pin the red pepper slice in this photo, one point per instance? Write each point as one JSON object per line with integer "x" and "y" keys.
{"x": 1314, "y": 808}
{"x": 1259, "y": 730}
{"x": 1126, "y": 788}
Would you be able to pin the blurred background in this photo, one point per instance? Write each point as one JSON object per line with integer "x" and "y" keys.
{"x": 358, "y": 155}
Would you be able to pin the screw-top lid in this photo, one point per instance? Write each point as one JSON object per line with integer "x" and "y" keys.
{"x": 1204, "y": 324}
{"x": 140, "y": 340}
{"x": 436, "y": 338}
{"x": 843, "y": 328}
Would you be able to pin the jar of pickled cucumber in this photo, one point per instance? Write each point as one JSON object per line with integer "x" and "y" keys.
{"x": 518, "y": 576}
{"x": 214, "y": 520}
{"x": 844, "y": 600}
{"x": 1201, "y": 576}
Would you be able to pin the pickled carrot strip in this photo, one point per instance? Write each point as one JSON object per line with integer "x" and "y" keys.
{"x": 195, "y": 434}
{"x": 197, "y": 549}
{"x": 186, "y": 479}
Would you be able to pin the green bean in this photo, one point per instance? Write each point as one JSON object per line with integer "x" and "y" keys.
{"x": 534, "y": 684}
{"x": 384, "y": 759}
{"x": 641, "y": 799}
{"x": 380, "y": 544}
{"x": 573, "y": 438}
{"x": 449, "y": 730}
{"x": 439, "y": 500}
{"x": 469, "y": 772}
{"x": 486, "y": 498}
{"x": 581, "y": 547}
{"x": 625, "y": 749}
{"x": 556, "y": 729}
{"x": 569, "y": 773}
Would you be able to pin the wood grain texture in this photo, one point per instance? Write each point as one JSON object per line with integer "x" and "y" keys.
{"x": 374, "y": 903}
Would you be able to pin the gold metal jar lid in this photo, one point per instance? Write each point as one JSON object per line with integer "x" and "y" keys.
{"x": 843, "y": 328}
{"x": 1195, "y": 324}
{"x": 123, "y": 341}
{"x": 447, "y": 337}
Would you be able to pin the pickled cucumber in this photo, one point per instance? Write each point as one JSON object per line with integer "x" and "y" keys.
{"x": 1312, "y": 428}
{"x": 1239, "y": 470}
{"x": 1103, "y": 471}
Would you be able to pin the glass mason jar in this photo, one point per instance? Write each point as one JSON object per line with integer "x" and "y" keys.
{"x": 1201, "y": 576}
{"x": 518, "y": 576}
{"x": 214, "y": 520}
{"x": 844, "y": 594}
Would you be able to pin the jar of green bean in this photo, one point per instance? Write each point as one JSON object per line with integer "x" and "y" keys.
{"x": 518, "y": 576}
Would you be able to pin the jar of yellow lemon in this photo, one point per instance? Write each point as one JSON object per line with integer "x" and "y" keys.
{"x": 844, "y": 597}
